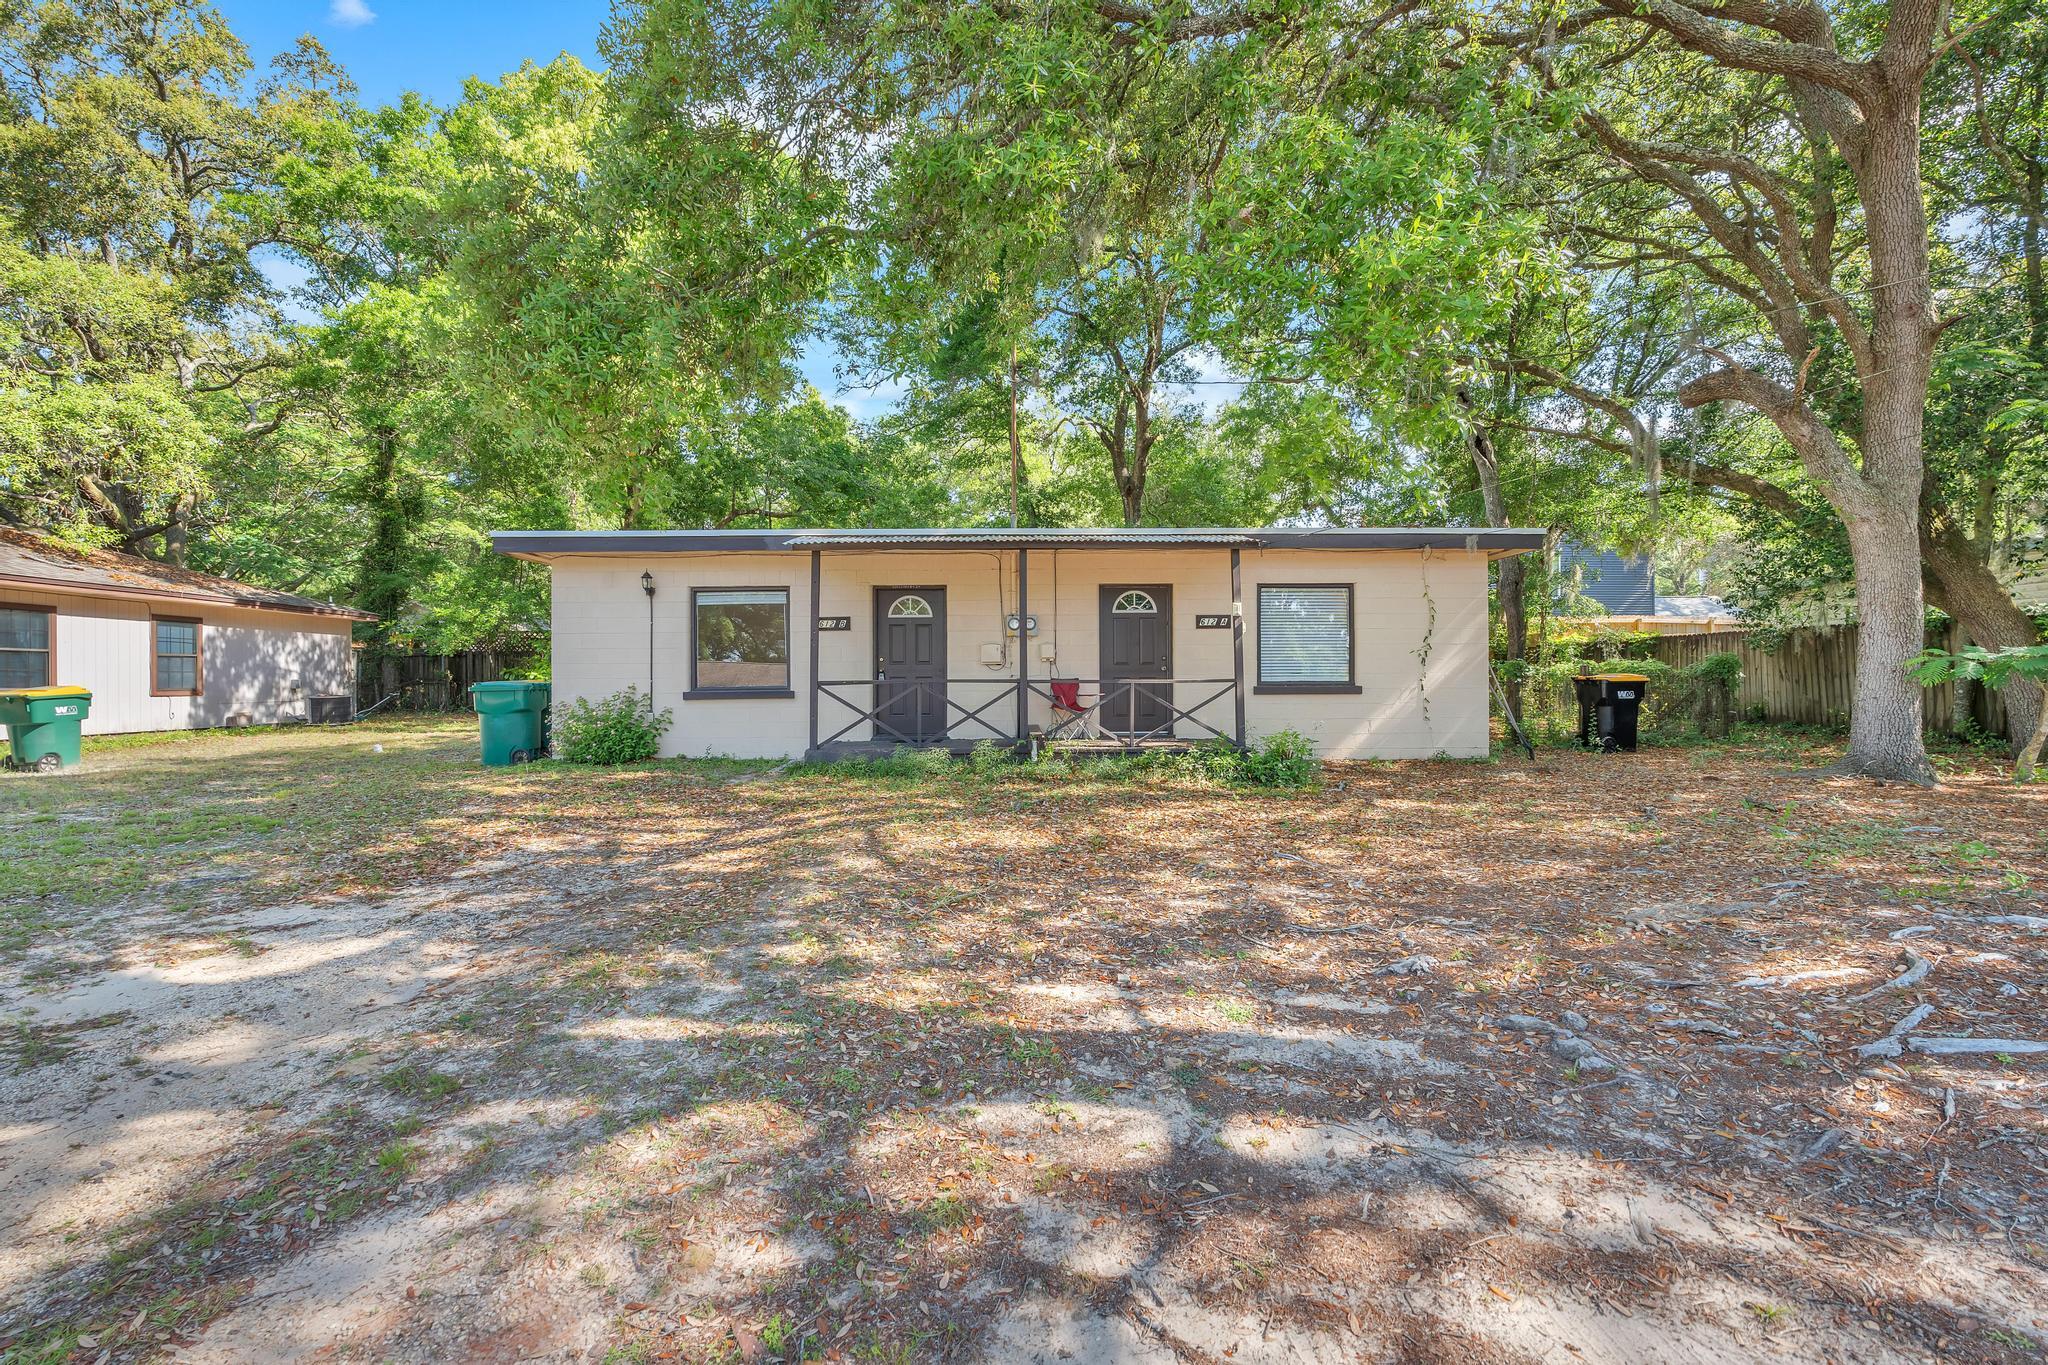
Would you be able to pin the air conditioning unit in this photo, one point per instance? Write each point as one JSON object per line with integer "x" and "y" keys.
{"x": 334, "y": 710}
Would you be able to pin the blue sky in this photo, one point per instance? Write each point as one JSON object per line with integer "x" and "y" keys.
{"x": 432, "y": 46}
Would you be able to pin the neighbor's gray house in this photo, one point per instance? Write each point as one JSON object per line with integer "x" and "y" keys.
{"x": 164, "y": 648}
{"x": 1624, "y": 586}
{"x": 1372, "y": 642}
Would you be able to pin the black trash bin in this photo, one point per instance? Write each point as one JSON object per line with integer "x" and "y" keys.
{"x": 1609, "y": 706}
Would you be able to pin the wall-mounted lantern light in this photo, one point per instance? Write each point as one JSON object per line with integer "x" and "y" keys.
{"x": 647, "y": 586}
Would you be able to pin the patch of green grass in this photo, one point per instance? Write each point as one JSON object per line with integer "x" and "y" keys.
{"x": 179, "y": 817}
{"x": 399, "y": 1159}
{"x": 1033, "y": 1051}
{"x": 947, "y": 1213}
{"x": 778, "y": 1335}
{"x": 415, "y": 1082}
{"x": 1236, "y": 1011}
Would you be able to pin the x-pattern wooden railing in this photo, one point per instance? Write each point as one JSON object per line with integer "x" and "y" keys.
{"x": 1099, "y": 715}
{"x": 893, "y": 691}
{"x": 1125, "y": 690}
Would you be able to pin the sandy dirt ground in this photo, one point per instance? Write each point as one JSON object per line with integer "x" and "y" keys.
{"x": 366, "y": 1054}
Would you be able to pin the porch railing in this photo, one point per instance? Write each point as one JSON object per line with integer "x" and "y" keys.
{"x": 1118, "y": 699}
{"x": 1112, "y": 715}
{"x": 890, "y": 692}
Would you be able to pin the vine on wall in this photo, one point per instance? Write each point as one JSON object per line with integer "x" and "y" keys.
{"x": 1428, "y": 645}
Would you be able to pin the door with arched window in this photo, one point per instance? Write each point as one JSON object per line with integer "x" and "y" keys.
{"x": 910, "y": 664}
{"x": 1137, "y": 648}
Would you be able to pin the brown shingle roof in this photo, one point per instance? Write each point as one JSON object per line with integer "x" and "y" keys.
{"x": 28, "y": 560}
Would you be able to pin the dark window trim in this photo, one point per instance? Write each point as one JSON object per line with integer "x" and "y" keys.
{"x": 1350, "y": 685}
{"x": 698, "y": 693}
{"x": 1309, "y": 689}
{"x": 50, "y": 676}
{"x": 198, "y": 688}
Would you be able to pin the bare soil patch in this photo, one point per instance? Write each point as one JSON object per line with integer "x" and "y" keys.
{"x": 374, "y": 1055}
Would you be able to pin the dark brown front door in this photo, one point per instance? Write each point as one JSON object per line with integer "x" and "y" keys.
{"x": 1137, "y": 648}
{"x": 910, "y": 664}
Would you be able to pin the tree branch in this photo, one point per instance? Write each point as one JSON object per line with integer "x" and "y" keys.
{"x": 1817, "y": 446}
{"x": 1694, "y": 30}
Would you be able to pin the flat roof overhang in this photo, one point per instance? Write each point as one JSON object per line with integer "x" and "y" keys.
{"x": 1494, "y": 542}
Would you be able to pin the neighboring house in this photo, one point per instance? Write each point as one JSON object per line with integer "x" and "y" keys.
{"x": 1626, "y": 587}
{"x": 164, "y": 648}
{"x": 781, "y": 643}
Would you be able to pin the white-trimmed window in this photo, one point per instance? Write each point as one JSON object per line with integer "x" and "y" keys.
{"x": 742, "y": 641}
{"x": 176, "y": 668}
{"x": 1305, "y": 637}
{"x": 1135, "y": 603}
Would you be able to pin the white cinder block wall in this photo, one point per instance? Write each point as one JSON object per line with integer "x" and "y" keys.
{"x": 252, "y": 661}
{"x": 1408, "y": 706}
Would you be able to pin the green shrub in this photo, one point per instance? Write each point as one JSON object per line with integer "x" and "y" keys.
{"x": 1286, "y": 758}
{"x": 622, "y": 728}
{"x": 1724, "y": 669}
{"x": 989, "y": 759}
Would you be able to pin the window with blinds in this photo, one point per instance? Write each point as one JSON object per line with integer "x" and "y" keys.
{"x": 25, "y": 646}
{"x": 1305, "y": 635}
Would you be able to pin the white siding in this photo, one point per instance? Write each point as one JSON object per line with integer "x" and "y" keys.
{"x": 1404, "y": 708}
{"x": 262, "y": 663}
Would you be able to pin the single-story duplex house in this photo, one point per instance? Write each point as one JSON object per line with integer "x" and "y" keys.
{"x": 165, "y": 648}
{"x": 1372, "y": 642}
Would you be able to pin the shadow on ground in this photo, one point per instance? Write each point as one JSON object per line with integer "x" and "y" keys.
{"x": 1443, "y": 1062}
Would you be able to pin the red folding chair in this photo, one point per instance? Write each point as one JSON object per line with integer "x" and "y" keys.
{"x": 1068, "y": 704}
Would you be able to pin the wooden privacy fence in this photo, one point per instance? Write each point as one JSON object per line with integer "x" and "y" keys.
{"x": 1808, "y": 677}
{"x": 439, "y": 682}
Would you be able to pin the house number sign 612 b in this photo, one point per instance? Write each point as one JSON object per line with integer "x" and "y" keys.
{"x": 1212, "y": 623}
{"x": 835, "y": 623}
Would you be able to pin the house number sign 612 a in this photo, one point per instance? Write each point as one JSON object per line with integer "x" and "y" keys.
{"x": 1212, "y": 623}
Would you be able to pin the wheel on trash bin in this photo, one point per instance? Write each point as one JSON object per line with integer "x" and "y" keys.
{"x": 522, "y": 755}
{"x": 48, "y": 763}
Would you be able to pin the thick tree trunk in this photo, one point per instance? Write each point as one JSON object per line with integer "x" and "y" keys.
{"x": 2030, "y": 752}
{"x": 178, "y": 530}
{"x": 1885, "y": 740}
{"x": 1971, "y": 593}
{"x": 381, "y": 584}
{"x": 1881, "y": 508}
{"x": 1513, "y": 580}
{"x": 1514, "y": 610}
{"x": 1142, "y": 438}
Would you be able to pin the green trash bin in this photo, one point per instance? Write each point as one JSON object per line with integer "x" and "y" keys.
{"x": 514, "y": 719}
{"x": 42, "y": 726}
